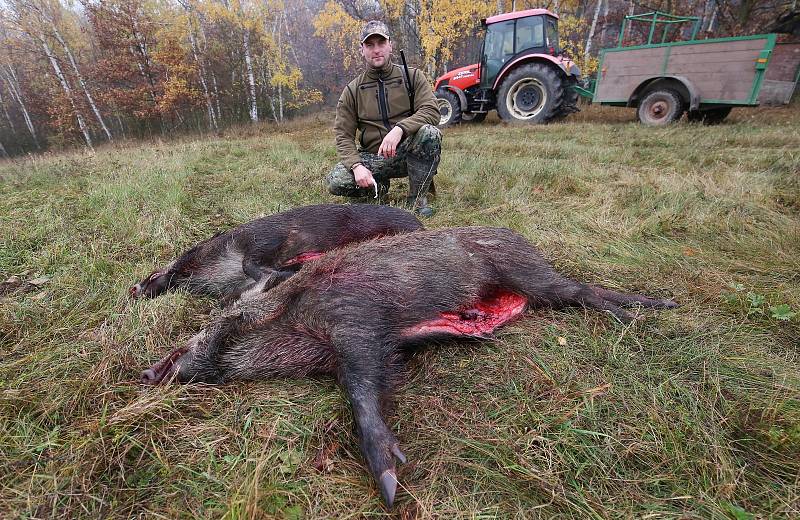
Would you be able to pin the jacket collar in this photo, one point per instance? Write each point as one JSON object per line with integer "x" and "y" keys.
{"x": 382, "y": 72}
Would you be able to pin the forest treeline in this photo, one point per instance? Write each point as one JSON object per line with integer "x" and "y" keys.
{"x": 92, "y": 71}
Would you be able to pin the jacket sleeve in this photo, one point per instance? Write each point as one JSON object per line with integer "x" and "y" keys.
{"x": 345, "y": 129}
{"x": 426, "y": 109}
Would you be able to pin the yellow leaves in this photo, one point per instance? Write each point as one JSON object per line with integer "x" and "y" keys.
{"x": 340, "y": 31}
{"x": 572, "y": 33}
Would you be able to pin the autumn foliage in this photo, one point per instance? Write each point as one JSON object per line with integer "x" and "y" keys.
{"x": 98, "y": 70}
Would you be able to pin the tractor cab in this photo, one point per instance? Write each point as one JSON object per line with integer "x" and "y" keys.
{"x": 510, "y": 39}
{"x": 520, "y": 53}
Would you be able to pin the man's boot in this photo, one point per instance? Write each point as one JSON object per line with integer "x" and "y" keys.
{"x": 420, "y": 176}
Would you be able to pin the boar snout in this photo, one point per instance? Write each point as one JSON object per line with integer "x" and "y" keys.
{"x": 148, "y": 377}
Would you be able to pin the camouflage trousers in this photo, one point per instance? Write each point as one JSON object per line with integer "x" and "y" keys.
{"x": 417, "y": 158}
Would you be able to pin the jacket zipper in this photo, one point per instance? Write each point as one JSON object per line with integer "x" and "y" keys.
{"x": 382, "y": 104}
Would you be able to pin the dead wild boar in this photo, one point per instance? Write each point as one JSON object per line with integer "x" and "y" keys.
{"x": 354, "y": 312}
{"x": 264, "y": 252}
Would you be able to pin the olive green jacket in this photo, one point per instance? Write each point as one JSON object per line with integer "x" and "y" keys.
{"x": 374, "y": 103}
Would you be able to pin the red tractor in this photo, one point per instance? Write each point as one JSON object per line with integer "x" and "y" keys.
{"x": 522, "y": 74}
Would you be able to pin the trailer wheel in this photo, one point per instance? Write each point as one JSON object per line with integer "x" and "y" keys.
{"x": 472, "y": 117}
{"x": 660, "y": 107}
{"x": 531, "y": 93}
{"x": 449, "y": 108}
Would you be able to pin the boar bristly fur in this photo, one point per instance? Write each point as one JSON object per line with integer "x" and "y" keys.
{"x": 264, "y": 252}
{"x": 353, "y": 313}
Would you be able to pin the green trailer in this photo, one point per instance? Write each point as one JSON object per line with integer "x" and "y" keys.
{"x": 705, "y": 78}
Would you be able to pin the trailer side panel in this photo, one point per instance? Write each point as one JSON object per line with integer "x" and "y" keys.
{"x": 782, "y": 73}
{"x": 723, "y": 71}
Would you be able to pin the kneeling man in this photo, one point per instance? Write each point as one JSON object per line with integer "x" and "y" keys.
{"x": 386, "y": 127}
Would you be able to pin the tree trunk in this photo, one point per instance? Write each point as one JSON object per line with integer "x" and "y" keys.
{"x": 82, "y": 83}
{"x": 251, "y": 80}
{"x": 588, "y": 48}
{"x": 216, "y": 96}
{"x": 212, "y": 120}
{"x": 67, "y": 91}
{"x": 146, "y": 67}
{"x": 5, "y": 112}
{"x": 631, "y": 10}
{"x": 14, "y": 90}
{"x": 605, "y": 25}
{"x": 3, "y": 152}
{"x": 500, "y": 6}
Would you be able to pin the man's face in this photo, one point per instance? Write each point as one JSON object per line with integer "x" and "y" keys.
{"x": 376, "y": 50}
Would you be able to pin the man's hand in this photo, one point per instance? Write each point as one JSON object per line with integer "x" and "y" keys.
{"x": 363, "y": 176}
{"x": 389, "y": 144}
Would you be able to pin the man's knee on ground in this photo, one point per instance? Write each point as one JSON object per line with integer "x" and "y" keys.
{"x": 340, "y": 180}
{"x": 427, "y": 141}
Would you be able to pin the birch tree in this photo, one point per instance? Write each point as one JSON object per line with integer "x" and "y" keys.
{"x": 10, "y": 77}
{"x": 588, "y": 49}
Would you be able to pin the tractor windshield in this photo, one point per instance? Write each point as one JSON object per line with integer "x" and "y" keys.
{"x": 505, "y": 40}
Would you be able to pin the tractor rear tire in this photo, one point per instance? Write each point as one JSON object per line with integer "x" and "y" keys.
{"x": 472, "y": 117}
{"x": 660, "y": 107}
{"x": 449, "y": 108}
{"x": 570, "y": 103}
{"x": 532, "y": 93}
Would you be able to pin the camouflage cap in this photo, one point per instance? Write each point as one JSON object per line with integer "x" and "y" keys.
{"x": 374, "y": 27}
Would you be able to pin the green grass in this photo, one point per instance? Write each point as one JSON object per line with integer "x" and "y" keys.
{"x": 692, "y": 413}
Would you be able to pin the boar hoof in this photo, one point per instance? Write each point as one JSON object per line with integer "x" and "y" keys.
{"x": 388, "y": 486}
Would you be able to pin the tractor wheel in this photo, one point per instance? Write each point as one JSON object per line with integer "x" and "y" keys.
{"x": 449, "y": 108}
{"x": 472, "y": 117}
{"x": 531, "y": 93}
{"x": 570, "y": 103}
{"x": 660, "y": 107}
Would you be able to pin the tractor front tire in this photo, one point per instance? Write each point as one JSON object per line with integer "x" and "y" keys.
{"x": 531, "y": 93}
{"x": 660, "y": 107}
{"x": 449, "y": 108}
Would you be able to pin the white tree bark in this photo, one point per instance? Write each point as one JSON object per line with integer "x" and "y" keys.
{"x": 67, "y": 91}
{"x": 251, "y": 80}
{"x": 14, "y": 90}
{"x": 631, "y": 10}
{"x": 212, "y": 119}
{"x": 5, "y": 112}
{"x": 605, "y": 25}
{"x": 588, "y": 48}
{"x": 81, "y": 81}
{"x": 3, "y": 152}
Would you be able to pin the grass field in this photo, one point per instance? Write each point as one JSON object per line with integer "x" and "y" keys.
{"x": 692, "y": 413}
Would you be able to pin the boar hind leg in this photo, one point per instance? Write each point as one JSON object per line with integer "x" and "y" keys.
{"x": 366, "y": 382}
{"x": 542, "y": 284}
{"x": 378, "y": 444}
{"x": 632, "y": 299}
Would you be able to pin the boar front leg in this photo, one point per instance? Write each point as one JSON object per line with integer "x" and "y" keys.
{"x": 264, "y": 278}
